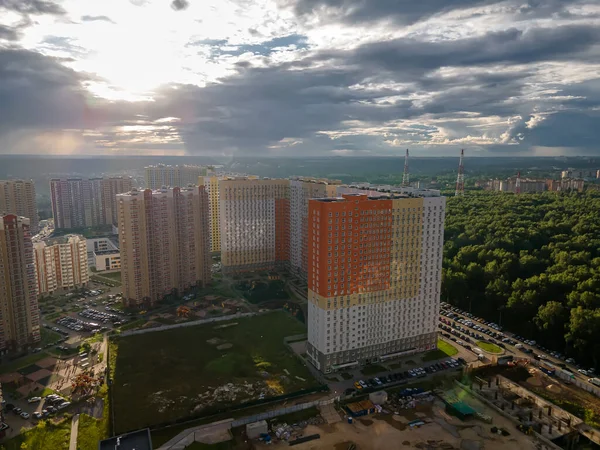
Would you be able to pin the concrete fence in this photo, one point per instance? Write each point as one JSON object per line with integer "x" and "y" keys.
{"x": 190, "y": 324}
{"x": 187, "y": 437}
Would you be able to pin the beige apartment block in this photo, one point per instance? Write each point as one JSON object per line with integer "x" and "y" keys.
{"x": 18, "y": 197}
{"x": 254, "y": 219}
{"x": 19, "y": 312}
{"x": 164, "y": 243}
{"x": 110, "y": 188}
{"x": 211, "y": 185}
{"x": 61, "y": 263}
{"x": 174, "y": 176}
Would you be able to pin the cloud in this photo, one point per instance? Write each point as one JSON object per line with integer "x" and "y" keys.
{"x": 33, "y": 7}
{"x": 96, "y": 19}
{"x": 409, "y": 11}
{"x": 179, "y": 5}
{"x": 362, "y": 78}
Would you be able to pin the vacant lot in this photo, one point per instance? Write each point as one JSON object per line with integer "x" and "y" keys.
{"x": 167, "y": 375}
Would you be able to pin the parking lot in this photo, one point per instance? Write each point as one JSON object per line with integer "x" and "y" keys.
{"x": 407, "y": 375}
{"x": 458, "y": 325}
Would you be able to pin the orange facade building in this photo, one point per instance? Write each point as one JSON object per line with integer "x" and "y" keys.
{"x": 374, "y": 276}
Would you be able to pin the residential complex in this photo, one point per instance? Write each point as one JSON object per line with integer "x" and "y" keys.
{"x": 103, "y": 254}
{"x": 61, "y": 263}
{"x": 565, "y": 184}
{"x": 79, "y": 203}
{"x": 164, "y": 243}
{"x": 19, "y": 312}
{"x": 254, "y": 223}
{"x": 374, "y": 275}
{"x": 301, "y": 191}
{"x": 174, "y": 176}
{"x": 18, "y": 197}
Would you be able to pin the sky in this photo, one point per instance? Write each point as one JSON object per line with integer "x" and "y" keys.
{"x": 300, "y": 77}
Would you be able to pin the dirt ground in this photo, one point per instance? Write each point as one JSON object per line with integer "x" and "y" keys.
{"x": 389, "y": 432}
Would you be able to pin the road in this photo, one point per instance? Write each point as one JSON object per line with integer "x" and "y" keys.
{"x": 74, "y": 432}
{"x": 517, "y": 352}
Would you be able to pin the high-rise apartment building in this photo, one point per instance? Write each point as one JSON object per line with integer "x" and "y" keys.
{"x": 18, "y": 197}
{"x": 19, "y": 312}
{"x": 374, "y": 276}
{"x": 61, "y": 263}
{"x": 110, "y": 188}
{"x": 79, "y": 203}
{"x": 164, "y": 243}
{"x": 301, "y": 191}
{"x": 254, "y": 219}
{"x": 211, "y": 185}
{"x": 174, "y": 176}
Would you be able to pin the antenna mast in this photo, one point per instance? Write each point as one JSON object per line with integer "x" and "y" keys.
{"x": 460, "y": 179}
{"x": 406, "y": 176}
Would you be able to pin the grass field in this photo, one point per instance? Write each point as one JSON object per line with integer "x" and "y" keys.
{"x": 44, "y": 436}
{"x": 489, "y": 347}
{"x": 191, "y": 369}
{"x": 443, "y": 351}
{"x": 48, "y": 337}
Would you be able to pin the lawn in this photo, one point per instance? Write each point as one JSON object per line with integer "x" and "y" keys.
{"x": 164, "y": 376}
{"x": 443, "y": 351}
{"x": 489, "y": 347}
{"x": 22, "y": 362}
{"x": 115, "y": 276}
{"x": 49, "y": 337}
{"x": 44, "y": 436}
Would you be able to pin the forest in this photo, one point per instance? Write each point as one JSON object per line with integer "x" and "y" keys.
{"x": 530, "y": 262}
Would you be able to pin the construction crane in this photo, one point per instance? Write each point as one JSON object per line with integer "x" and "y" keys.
{"x": 460, "y": 179}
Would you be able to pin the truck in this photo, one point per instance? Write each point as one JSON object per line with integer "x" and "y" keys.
{"x": 595, "y": 381}
{"x": 547, "y": 368}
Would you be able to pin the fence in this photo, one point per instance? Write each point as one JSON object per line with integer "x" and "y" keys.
{"x": 190, "y": 435}
{"x": 190, "y": 324}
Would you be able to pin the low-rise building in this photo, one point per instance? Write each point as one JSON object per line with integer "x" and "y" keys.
{"x": 104, "y": 254}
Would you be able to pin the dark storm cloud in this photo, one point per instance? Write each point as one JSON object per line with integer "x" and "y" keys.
{"x": 8, "y": 33}
{"x": 37, "y": 91}
{"x": 508, "y": 47}
{"x": 179, "y": 5}
{"x": 33, "y": 7}
{"x": 96, "y": 19}
{"x": 410, "y": 11}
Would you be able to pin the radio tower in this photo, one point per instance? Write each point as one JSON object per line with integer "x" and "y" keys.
{"x": 405, "y": 176}
{"x": 460, "y": 180}
{"x": 518, "y": 183}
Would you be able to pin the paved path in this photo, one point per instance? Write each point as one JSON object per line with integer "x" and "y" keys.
{"x": 74, "y": 432}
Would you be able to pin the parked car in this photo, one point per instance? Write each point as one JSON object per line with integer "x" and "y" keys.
{"x": 24, "y": 415}
{"x": 34, "y": 400}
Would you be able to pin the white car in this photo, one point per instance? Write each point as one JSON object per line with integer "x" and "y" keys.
{"x": 37, "y": 415}
{"x": 24, "y": 415}
{"x": 34, "y": 400}
{"x": 63, "y": 405}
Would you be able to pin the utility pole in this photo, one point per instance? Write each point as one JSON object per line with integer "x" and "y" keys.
{"x": 460, "y": 180}
{"x": 406, "y": 176}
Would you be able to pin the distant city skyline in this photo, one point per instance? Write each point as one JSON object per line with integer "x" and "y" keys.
{"x": 287, "y": 78}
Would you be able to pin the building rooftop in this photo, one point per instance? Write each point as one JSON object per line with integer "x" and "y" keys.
{"x": 136, "y": 440}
